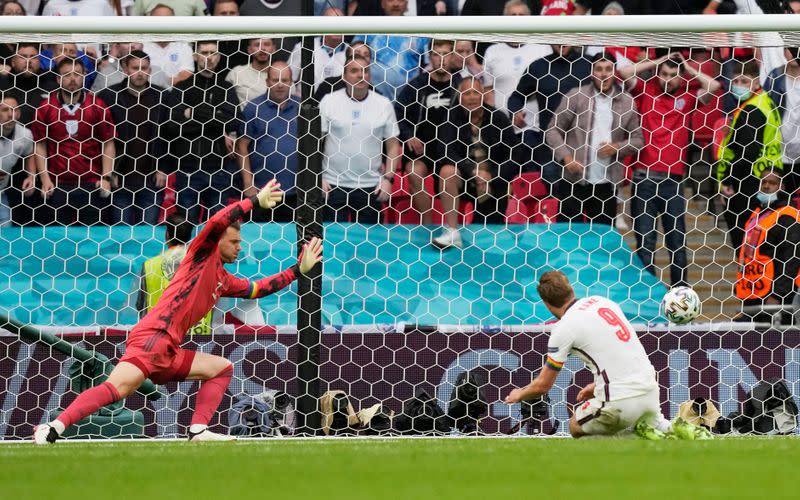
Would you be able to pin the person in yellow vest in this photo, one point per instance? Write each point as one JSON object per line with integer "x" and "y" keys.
{"x": 769, "y": 258}
{"x": 157, "y": 271}
{"x": 752, "y": 146}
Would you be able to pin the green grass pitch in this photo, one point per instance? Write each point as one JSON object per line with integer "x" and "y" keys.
{"x": 405, "y": 468}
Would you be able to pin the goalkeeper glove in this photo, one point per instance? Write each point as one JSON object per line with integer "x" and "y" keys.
{"x": 270, "y": 195}
{"x": 310, "y": 256}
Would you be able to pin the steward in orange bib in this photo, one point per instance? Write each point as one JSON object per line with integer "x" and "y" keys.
{"x": 769, "y": 258}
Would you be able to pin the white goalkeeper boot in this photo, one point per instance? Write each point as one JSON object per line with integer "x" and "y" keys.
{"x": 44, "y": 434}
{"x": 450, "y": 238}
{"x": 206, "y": 435}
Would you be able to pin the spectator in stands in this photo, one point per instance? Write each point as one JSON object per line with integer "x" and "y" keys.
{"x": 557, "y": 8}
{"x": 78, "y": 8}
{"x": 505, "y": 63}
{"x": 26, "y": 80}
{"x": 250, "y": 80}
{"x": 226, "y": 8}
{"x": 174, "y": 58}
{"x": 769, "y": 55}
{"x": 546, "y": 81}
{"x": 16, "y": 147}
{"x": 752, "y": 146}
{"x": 594, "y": 128}
{"x": 478, "y": 142}
{"x": 320, "y": 6}
{"x": 204, "y": 121}
{"x": 12, "y": 8}
{"x": 178, "y": 7}
{"x": 269, "y": 8}
{"x": 233, "y": 52}
{"x": 9, "y": 8}
{"x": 769, "y": 260}
{"x": 626, "y": 55}
{"x": 139, "y": 112}
{"x": 267, "y": 144}
{"x": 52, "y": 56}
{"x": 75, "y": 151}
{"x": 678, "y": 7}
{"x": 783, "y": 87}
{"x": 421, "y": 108}
{"x": 413, "y": 8}
{"x": 110, "y": 71}
{"x": 613, "y": 9}
{"x": 491, "y": 7}
{"x": 665, "y": 103}
{"x": 275, "y": 8}
{"x": 356, "y": 49}
{"x": 328, "y": 58}
{"x": 597, "y": 7}
{"x": 470, "y": 66}
{"x": 397, "y": 58}
{"x": 358, "y": 125}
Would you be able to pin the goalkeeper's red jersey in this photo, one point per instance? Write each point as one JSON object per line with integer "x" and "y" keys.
{"x": 201, "y": 280}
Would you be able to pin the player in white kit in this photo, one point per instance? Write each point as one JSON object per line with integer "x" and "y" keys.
{"x": 624, "y": 394}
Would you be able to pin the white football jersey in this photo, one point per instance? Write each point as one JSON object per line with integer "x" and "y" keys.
{"x": 595, "y": 329}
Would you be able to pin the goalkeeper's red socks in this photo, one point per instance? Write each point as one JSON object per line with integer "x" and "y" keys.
{"x": 85, "y": 404}
{"x": 210, "y": 395}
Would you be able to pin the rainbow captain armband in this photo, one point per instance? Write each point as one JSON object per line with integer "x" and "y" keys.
{"x": 555, "y": 365}
{"x": 253, "y": 292}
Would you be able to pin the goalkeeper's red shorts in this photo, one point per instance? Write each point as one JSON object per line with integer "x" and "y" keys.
{"x": 158, "y": 357}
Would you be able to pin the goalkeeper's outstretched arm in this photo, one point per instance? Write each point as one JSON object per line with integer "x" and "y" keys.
{"x": 242, "y": 288}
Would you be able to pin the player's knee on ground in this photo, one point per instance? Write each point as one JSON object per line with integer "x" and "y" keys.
{"x": 575, "y": 428}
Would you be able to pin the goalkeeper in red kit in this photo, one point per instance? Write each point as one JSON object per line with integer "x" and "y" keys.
{"x": 153, "y": 347}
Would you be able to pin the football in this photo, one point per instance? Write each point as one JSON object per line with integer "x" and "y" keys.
{"x": 681, "y": 305}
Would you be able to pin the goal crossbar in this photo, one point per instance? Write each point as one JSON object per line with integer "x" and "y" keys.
{"x": 712, "y": 30}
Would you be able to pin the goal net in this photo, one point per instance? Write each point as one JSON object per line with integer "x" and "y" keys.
{"x": 446, "y": 165}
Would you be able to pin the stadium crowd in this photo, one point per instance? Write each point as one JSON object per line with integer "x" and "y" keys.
{"x": 113, "y": 134}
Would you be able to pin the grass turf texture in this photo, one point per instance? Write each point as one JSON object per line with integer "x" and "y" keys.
{"x": 419, "y": 468}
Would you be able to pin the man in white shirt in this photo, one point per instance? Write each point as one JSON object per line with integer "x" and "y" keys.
{"x": 625, "y": 393}
{"x": 329, "y": 54}
{"x": 176, "y": 59}
{"x": 357, "y": 124}
{"x": 250, "y": 80}
{"x": 16, "y": 143}
{"x": 505, "y": 63}
{"x": 78, "y": 8}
